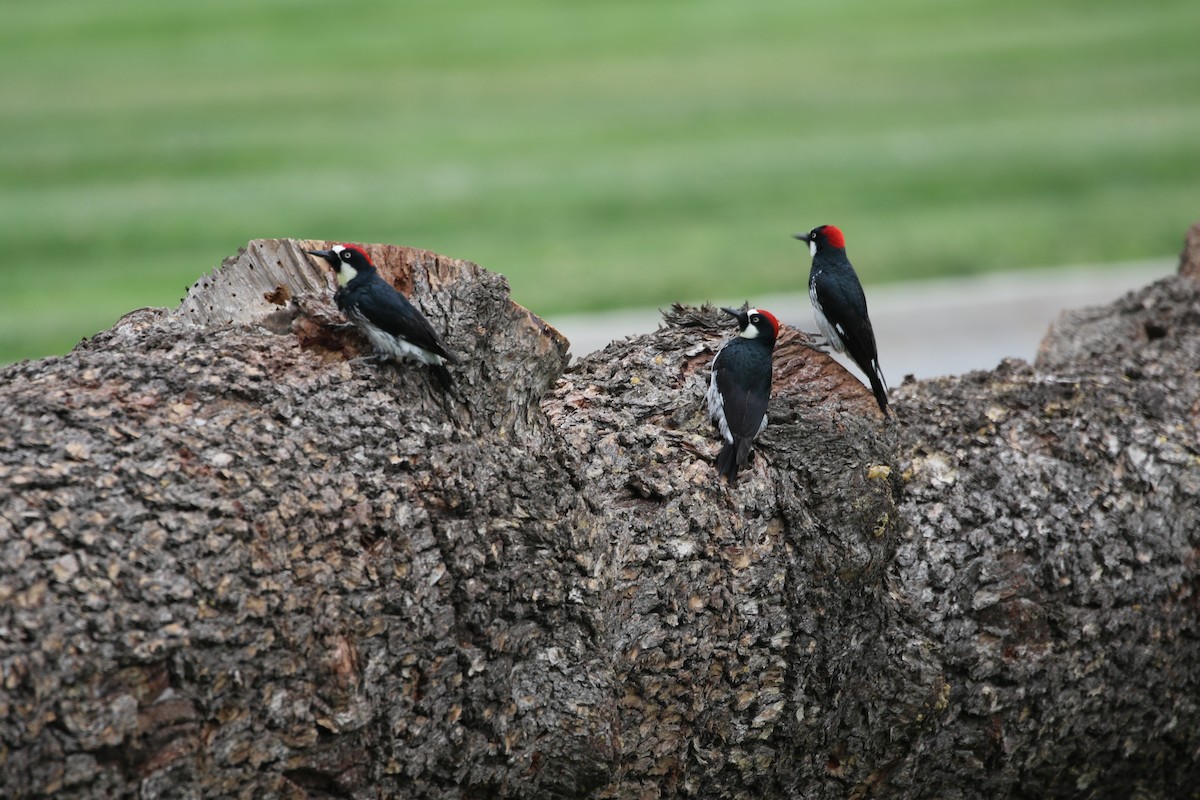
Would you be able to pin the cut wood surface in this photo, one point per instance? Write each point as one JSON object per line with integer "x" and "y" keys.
{"x": 238, "y": 564}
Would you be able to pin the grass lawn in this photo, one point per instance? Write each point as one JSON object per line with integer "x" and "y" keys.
{"x": 599, "y": 154}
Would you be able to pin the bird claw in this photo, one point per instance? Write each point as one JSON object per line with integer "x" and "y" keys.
{"x": 818, "y": 342}
{"x": 377, "y": 358}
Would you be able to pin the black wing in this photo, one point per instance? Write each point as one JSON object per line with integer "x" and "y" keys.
{"x": 744, "y": 405}
{"x": 845, "y": 306}
{"x": 851, "y": 321}
{"x": 391, "y": 312}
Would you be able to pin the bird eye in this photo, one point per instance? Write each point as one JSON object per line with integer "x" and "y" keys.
{"x": 345, "y": 255}
{"x": 755, "y": 318}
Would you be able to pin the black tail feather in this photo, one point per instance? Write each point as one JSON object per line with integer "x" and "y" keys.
{"x": 443, "y": 376}
{"x": 880, "y": 391}
{"x": 732, "y": 458}
{"x": 868, "y": 362}
{"x": 878, "y": 388}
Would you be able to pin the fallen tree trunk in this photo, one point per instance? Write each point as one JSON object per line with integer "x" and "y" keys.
{"x": 237, "y": 565}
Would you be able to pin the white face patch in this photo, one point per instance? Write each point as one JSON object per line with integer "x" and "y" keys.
{"x": 345, "y": 272}
{"x": 812, "y": 247}
{"x": 751, "y": 331}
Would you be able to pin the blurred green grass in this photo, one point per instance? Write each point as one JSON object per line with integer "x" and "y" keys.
{"x": 600, "y": 154}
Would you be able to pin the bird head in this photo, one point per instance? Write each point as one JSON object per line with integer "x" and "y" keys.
{"x": 822, "y": 237}
{"x": 755, "y": 324}
{"x": 347, "y": 261}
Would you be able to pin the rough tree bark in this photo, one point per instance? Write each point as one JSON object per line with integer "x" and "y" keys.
{"x": 237, "y": 565}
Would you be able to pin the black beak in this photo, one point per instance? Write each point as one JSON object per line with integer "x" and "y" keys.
{"x": 741, "y": 316}
{"x": 804, "y": 237}
{"x": 328, "y": 255}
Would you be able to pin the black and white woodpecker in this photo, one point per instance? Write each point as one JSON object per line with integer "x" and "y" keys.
{"x": 841, "y": 307}
{"x": 740, "y": 387}
{"x": 393, "y": 326}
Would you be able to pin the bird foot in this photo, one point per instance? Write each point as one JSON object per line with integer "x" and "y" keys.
{"x": 374, "y": 358}
{"x": 818, "y": 342}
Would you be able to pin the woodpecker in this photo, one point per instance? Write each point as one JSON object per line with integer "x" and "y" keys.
{"x": 740, "y": 386}
{"x": 395, "y": 328}
{"x": 841, "y": 307}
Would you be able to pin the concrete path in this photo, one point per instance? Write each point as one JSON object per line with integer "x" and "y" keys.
{"x": 941, "y": 327}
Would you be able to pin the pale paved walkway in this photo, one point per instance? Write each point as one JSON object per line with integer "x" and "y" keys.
{"x": 930, "y": 328}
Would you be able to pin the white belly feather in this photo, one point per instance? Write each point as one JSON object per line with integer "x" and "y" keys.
{"x": 831, "y": 334}
{"x": 716, "y": 407}
{"x": 395, "y": 347}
